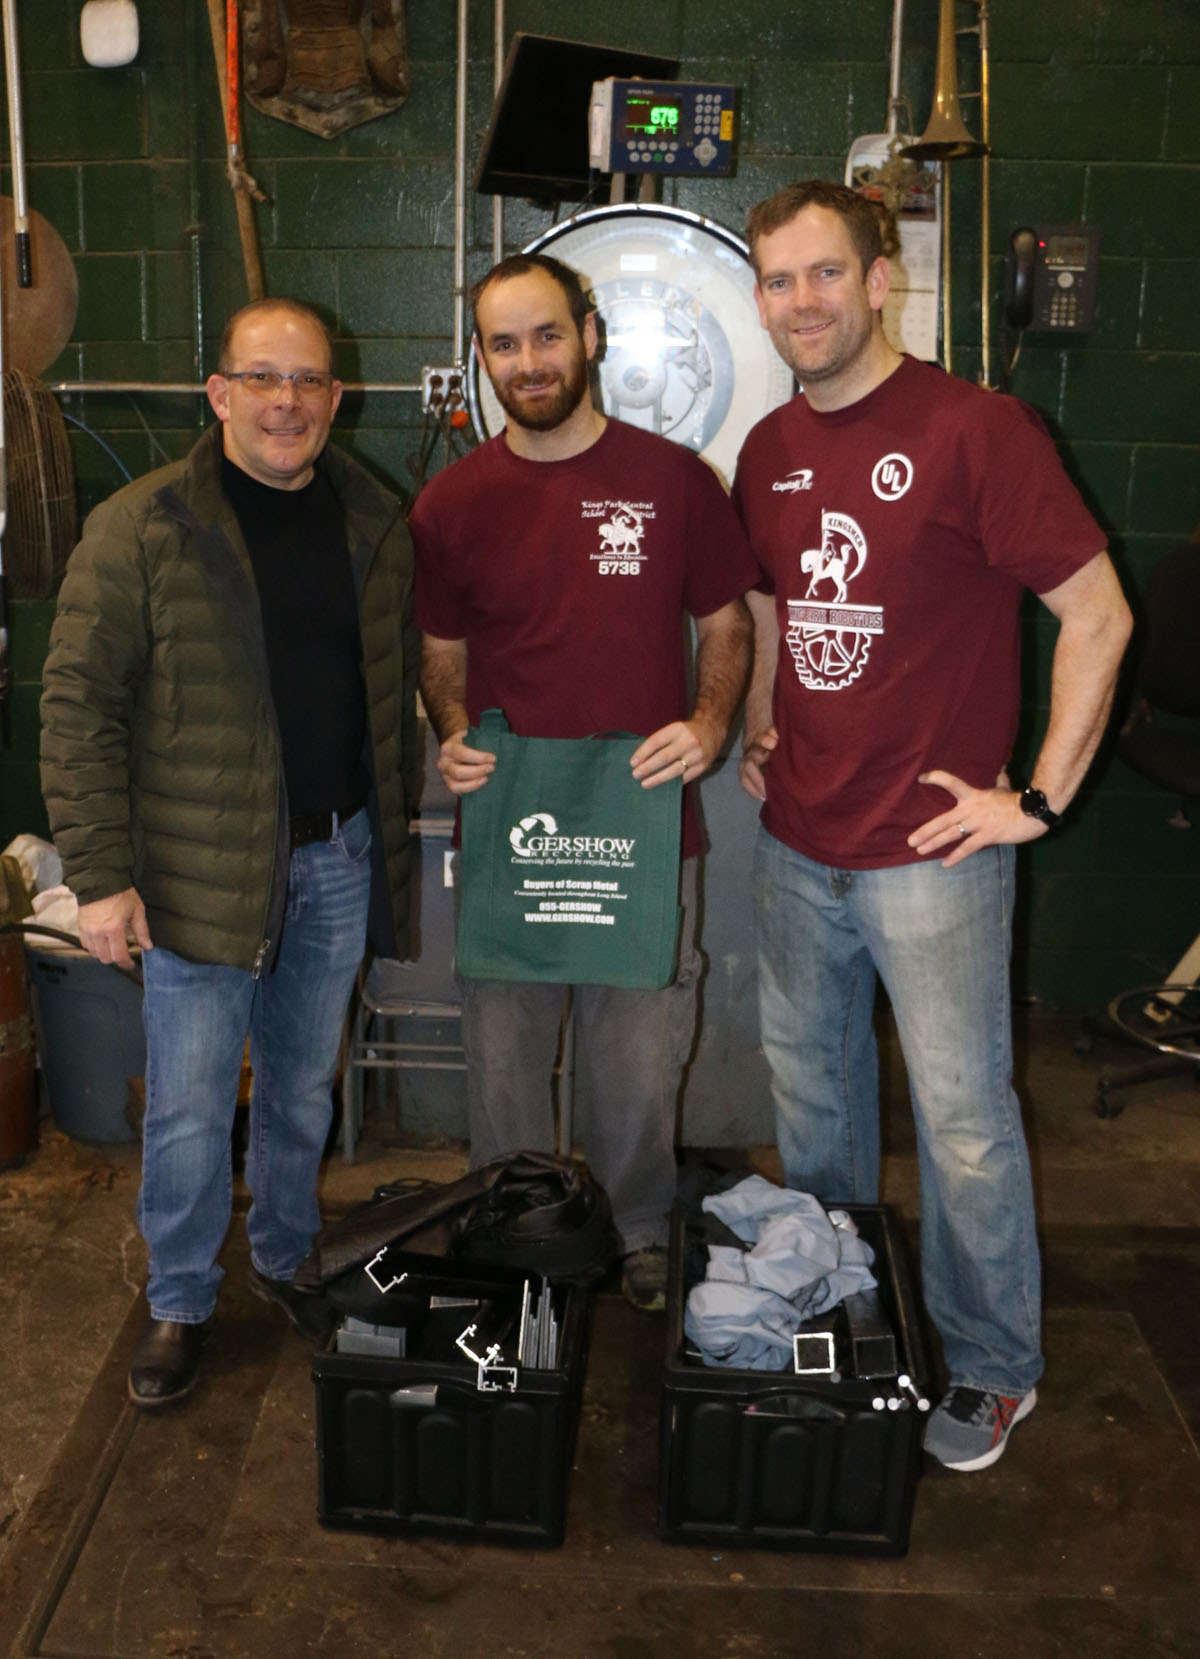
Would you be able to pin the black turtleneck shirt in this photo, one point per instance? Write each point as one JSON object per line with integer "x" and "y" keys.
{"x": 297, "y": 545}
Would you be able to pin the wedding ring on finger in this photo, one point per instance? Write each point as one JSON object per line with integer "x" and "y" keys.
{"x": 963, "y": 830}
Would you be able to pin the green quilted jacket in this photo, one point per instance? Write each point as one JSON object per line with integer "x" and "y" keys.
{"x": 160, "y": 750}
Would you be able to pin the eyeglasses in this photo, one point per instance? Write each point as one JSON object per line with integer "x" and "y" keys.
{"x": 265, "y": 383}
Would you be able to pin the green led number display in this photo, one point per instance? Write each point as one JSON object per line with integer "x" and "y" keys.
{"x": 651, "y": 119}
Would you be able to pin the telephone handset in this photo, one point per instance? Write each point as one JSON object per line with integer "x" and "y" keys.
{"x": 1018, "y": 298}
{"x": 1050, "y": 278}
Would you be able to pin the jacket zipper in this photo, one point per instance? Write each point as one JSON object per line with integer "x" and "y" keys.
{"x": 256, "y": 971}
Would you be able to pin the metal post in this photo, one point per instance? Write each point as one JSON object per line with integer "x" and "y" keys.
{"x": 946, "y": 346}
{"x": 460, "y": 189}
{"x": 985, "y": 207}
{"x": 16, "y": 131}
{"x": 894, "y": 98}
{"x": 497, "y": 77}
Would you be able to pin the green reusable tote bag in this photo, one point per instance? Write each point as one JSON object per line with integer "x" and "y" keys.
{"x": 569, "y": 869}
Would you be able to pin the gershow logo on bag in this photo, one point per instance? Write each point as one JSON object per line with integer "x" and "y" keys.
{"x": 537, "y": 840}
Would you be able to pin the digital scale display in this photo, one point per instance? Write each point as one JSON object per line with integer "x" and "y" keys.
{"x": 650, "y": 118}
{"x": 682, "y": 127}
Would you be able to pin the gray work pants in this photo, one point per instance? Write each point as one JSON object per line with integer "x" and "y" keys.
{"x": 630, "y": 1049}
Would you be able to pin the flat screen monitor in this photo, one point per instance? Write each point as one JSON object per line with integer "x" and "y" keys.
{"x": 537, "y": 142}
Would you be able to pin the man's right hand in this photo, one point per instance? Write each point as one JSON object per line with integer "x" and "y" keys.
{"x": 105, "y": 924}
{"x": 755, "y": 755}
{"x": 464, "y": 769}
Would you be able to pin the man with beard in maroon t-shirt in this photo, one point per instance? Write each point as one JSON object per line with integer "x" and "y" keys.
{"x": 555, "y": 566}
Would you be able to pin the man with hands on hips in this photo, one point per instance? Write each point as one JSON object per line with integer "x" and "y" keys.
{"x": 898, "y": 516}
{"x": 523, "y": 610}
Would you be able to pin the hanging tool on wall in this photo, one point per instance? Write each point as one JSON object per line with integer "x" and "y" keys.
{"x": 226, "y": 32}
{"x": 946, "y": 138}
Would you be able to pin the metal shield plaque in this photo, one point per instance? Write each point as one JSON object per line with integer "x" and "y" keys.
{"x": 325, "y": 65}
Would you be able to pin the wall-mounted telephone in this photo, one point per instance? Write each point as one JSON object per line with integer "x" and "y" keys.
{"x": 1050, "y": 278}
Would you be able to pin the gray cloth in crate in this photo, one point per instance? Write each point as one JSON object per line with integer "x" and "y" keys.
{"x": 801, "y": 1262}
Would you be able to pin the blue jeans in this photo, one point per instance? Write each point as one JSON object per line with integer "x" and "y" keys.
{"x": 940, "y": 940}
{"x": 197, "y": 1017}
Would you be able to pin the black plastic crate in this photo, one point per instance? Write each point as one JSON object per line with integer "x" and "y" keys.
{"x": 414, "y": 1446}
{"x": 776, "y": 1460}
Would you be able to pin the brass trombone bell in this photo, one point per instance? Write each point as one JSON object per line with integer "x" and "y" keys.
{"x": 946, "y": 137}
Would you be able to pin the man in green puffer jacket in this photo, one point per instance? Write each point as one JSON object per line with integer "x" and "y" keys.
{"x": 228, "y": 751}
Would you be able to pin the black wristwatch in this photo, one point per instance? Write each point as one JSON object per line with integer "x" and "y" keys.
{"x": 1035, "y": 805}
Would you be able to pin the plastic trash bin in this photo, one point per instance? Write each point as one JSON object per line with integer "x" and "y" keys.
{"x": 87, "y": 1019}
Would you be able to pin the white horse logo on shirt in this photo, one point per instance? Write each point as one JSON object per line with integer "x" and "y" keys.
{"x": 842, "y": 542}
{"x": 621, "y": 536}
{"x": 828, "y": 635}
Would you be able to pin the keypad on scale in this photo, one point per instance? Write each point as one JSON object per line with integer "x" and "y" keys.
{"x": 708, "y": 113}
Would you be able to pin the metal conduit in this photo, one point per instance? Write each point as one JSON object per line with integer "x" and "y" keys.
{"x": 497, "y": 77}
{"x": 181, "y": 387}
{"x": 460, "y": 190}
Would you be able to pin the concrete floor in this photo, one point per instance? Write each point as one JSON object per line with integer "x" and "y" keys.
{"x": 191, "y": 1534}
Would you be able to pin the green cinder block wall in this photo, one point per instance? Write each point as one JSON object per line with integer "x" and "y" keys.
{"x": 1095, "y": 115}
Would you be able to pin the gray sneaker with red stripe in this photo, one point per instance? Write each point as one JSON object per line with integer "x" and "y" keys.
{"x": 970, "y": 1428}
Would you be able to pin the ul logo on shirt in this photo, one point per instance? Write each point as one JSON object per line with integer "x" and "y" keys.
{"x": 892, "y": 476}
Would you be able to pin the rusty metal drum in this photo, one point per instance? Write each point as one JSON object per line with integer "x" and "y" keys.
{"x": 18, "y": 1108}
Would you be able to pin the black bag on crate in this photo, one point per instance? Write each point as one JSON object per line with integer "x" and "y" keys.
{"x": 532, "y": 1212}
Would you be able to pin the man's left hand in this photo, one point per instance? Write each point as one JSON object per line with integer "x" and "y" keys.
{"x": 685, "y": 749}
{"x": 979, "y": 818}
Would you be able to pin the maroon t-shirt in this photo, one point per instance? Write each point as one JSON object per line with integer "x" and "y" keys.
{"x": 569, "y": 580}
{"x": 898, "y": 535}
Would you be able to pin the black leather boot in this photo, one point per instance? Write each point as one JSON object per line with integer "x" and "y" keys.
{"x": 165, "y": 1362}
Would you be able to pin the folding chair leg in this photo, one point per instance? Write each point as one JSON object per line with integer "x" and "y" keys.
{"x": 566, "y": 1085}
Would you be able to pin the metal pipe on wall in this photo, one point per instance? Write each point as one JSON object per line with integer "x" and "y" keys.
{"x": 460, "y": 188}
{"x": 947, "y": 314}
{"x": 985, "y": 206}
{"x": 16, "y": 132}
{"x": 895, "y": 101}
{"x": 193, "y": 229}
{"x": 198, "y": 388}
{"x": 497, "y": 77}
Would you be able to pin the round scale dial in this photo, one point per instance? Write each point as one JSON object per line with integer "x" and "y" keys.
{"x": 682, "y": 352}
